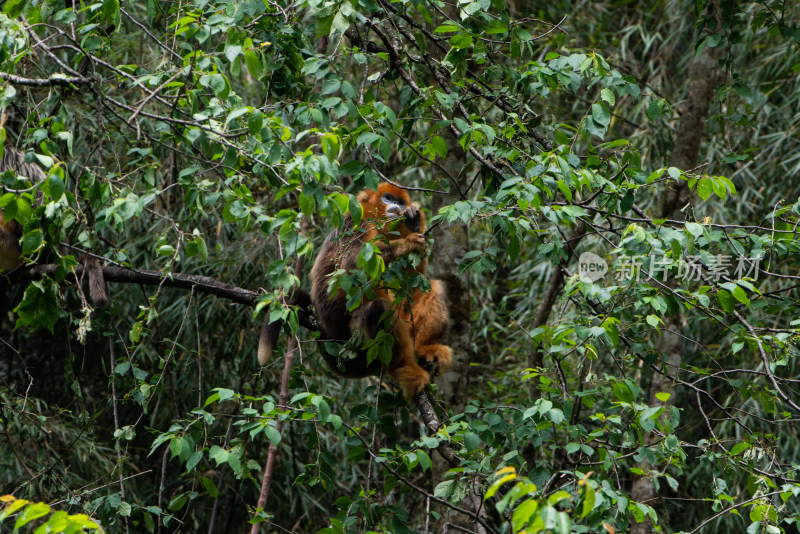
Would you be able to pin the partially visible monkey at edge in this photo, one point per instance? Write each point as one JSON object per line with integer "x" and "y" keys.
{"x": 11, "y": 231}
{"x": 418, "y": 329}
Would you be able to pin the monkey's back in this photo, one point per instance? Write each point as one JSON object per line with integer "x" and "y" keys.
{"x": 335, "y": 320}
{"x": 332, "y": 313}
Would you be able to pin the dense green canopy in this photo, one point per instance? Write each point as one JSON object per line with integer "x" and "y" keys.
{"x": 612, "y": 191}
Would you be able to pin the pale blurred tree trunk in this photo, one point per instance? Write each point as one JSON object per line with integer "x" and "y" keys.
{"x": 704, "y": 76}
{"x": 451, "y": 243}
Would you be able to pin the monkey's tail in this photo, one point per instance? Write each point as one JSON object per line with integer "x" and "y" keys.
{"x": 270, "y": 332}
{"x": 97, "y": 284}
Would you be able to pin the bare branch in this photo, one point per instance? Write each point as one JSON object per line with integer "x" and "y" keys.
{"x": 57, "y": 79}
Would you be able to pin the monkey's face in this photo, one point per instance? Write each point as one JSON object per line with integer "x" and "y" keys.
{"x": 394, "y": 207}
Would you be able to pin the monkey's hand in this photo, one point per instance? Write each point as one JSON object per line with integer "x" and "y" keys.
{"x": 415, "y": 219}
{"x": 434, "y": 358}
{"x": 412, "y": 243}
{"x": 402, "y": 247}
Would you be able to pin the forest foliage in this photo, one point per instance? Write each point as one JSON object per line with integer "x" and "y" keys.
{"x": 613, "y": 199}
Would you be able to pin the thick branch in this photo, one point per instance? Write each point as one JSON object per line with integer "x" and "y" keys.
{"x": 121, "y": 275}
{"x": 203, "y": 284}
{"x": 432, "y": 423}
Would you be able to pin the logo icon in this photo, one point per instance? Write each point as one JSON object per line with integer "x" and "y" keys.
{"x": 591, "y": 267}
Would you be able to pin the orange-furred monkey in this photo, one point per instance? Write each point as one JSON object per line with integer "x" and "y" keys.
{"x": 417, "y": 327}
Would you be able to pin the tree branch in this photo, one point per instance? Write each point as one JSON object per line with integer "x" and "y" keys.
{"x": 283, "y": 398}
{"x": 432, "y": 423}
{"x": 122, "y": 275}
{"x": 45, "y": 82}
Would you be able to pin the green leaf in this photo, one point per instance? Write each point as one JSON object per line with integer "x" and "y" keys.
{"x": 56, "y": 186}
{"x": 439, "y": 146}
{"x": 272, "y": 434}
{"x": 740, "y": 295}
{"x": 461, "y": 41}
{"x": 694, "y": 229}
{"x": 740, "y": 448}
{"x": 601, "y": 114}
{"x": 588, "y": 500}
{"x": 608, "y": 96}
{"x": 255, "y": 122}
{"x": 220, "y": 85}
{"x": 663, "y": 397}
{"x": 623, "y": 392}
{"x": 236, "y": 113}
{"x": 219, "y": 455}
{"x": 339, "y": 24}
{"x": 495, "y": 26}
{"x": 253, "y": 61}
{"x": 424, "y": 460}
{"x": 704, "y": 188}
{"x": 210, "y": 487}
{"x": 725, "y": 300}
{"x": 197, "y": 247}
{"x": 444, "y": 489}
{"x": 352, "y": 168}
{"x": 719, "y": 188}
{"x": 111, "y": 11}
{"x": 367, "y": 138}
{"x": 232, "y": 52}
{"x": 331, "y": 86}
{"x": 177, "y": 502}
{"x": 32, "y": 241}
{"x": 12, "y": 508}
{"x": 523, "y": 513}
{"x": 225, "y": 394}
{"x": 124, "y": 509}
{"x": 31, "y": 512}
{"x": 176, "y": 447}
{"x": 446, "y": 28}
{"x": 655, "y": 108}
{"x": 767, "y": 402}
{"x": 324, "y": 26}
{"x": 15, "y": 8}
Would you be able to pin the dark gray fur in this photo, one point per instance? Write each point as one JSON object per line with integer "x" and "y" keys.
{"x": 336, "y": 322}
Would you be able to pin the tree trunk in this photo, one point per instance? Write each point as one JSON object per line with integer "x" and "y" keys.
{"x": 703, "y": 80}
{"x": 452, "y": 242}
